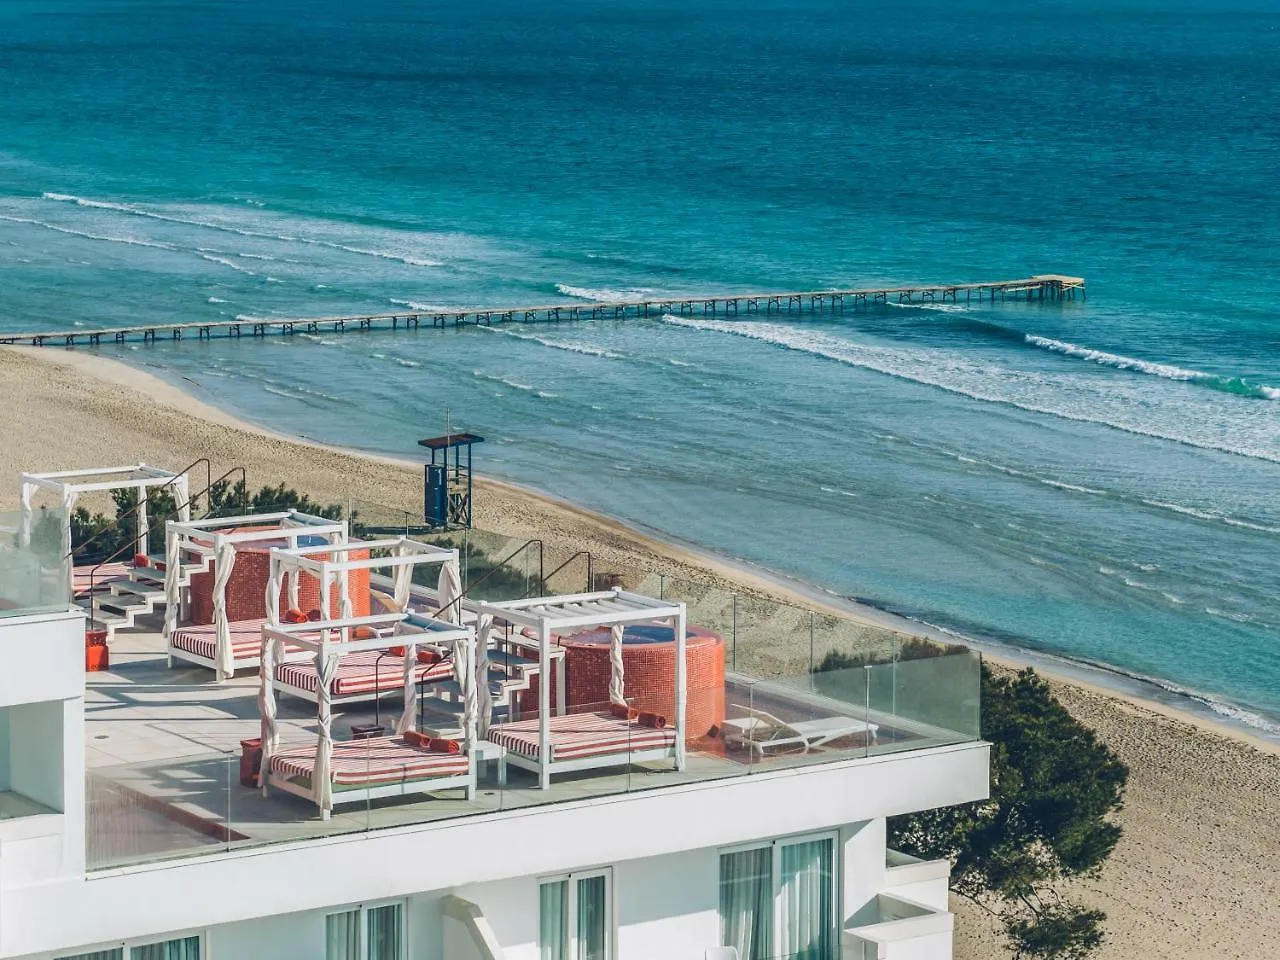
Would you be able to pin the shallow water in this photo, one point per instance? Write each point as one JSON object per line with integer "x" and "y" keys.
{"x": 1095, "y": 479}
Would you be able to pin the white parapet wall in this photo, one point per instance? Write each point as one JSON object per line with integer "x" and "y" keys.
{"x": 461, "y": 855}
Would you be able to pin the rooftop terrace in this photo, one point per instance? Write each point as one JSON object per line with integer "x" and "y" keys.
{"x": 163, "y": 750}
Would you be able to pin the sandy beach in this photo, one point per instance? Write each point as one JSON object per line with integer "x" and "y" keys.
{"x": 1195, "y": 873}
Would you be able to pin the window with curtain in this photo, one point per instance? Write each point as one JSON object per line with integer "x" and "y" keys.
{"x": 384, "y": 933}
{"x": 553, "y": 920}
{"x": 778, "y": 900}
{"x": 342, "y": 936}
{"x": 366, "y": 933}
{"x": 574, "y": 918}
{"x": 188, "y": 948}
{"x": 746, "y": 902}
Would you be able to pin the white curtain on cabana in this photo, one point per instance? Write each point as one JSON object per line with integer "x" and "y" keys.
{"x": 274, "y": 584}
{"x": 184, "y": 498}
{"x": 484, "y": 696}
{"x": 465, "y": 652}
{"x": 69, "y": 498}
{"x": 404, "y": 579}
{"x": 24, "y": 530}
{"x": 345, "y": 606}
{"x": 321, "y": 781}
{"x": 615, "y": 664}
{"x": 172, "y": 574}
{"x": 405, "y": 723}
{"x": 224, "y": 559}
{"x": 270, "y": 734}
{"x": 450, "y": 590}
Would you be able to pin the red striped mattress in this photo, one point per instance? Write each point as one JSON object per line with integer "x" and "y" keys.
{"x": 582, "y": 735}
{"x": 201, "y": 639}
{"x": 374, "y": 761}
{"x": 368, "y": 671}
{"x": 108, "y": 572}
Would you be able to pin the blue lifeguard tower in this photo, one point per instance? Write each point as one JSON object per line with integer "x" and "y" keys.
{"x": 447, "y": 487}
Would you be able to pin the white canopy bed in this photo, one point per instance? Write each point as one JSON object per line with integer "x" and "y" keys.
{"x": 405, "y": 763}
{"x": 225, "y": 646}
{"x": 562, "y": 742}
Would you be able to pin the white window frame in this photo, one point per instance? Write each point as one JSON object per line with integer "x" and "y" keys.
{"x": 364, "y": 908}
{"x": 775, "y": 845}
{"x": 610, "y": 903}
{"x": 127, "y": 945}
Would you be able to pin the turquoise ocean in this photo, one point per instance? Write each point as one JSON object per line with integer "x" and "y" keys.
{"x": 1093, "y": 480}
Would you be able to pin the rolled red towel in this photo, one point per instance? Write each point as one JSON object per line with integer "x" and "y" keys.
{"x": 440, "y": 745}
{"x": 396, "y": 651}
{"x": 294, "y": 615}
{"x": 141, "y": 560}
{"x": 655, "y": 720}
{"x": 620, "y": 710}
{"x": 416, "y": 739}
{"x": 367, "y": 633}
{"x": 428, "y": 656}
{"x": 314, "y": 615}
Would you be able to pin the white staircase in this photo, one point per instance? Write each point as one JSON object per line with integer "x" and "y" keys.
{"x": 122, "y": 602}
{"x": 513, "y": 664}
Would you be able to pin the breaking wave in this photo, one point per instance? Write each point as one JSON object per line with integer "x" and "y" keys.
{"x": 1024, "y": 390}
{"x": 1234, "y": 385}
{"x": 600, "y": 295}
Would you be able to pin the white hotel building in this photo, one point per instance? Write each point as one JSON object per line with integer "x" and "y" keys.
{"x": 134, "y": 827}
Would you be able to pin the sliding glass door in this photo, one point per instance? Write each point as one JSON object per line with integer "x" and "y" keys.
{"x": 575, "y": 917}
{"x": 778, "y": 900}
{"x": 366, "y": 933}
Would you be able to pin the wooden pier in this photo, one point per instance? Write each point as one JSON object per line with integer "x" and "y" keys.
{"x": 1043, "y": 287}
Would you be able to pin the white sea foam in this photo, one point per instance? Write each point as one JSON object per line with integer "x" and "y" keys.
{"x": 423, "y": 307}
{"x": 601, "y": 294}
{"x": 216, "y": 300}
{"x": 836, "y": 490}
{"x": 408, "y": 259}
{"x": 407, "y": 363}
{"x": 214, "y": 258}
{"x": 131, "y": 241}
{"x": 569, "y": 346}
{"x": 514, "y": 384}
{"x": 1151, "y": 368}
{"x": 1111, "y": 404}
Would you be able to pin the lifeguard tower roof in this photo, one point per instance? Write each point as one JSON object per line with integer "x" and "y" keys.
{"x": 450, "y": 440}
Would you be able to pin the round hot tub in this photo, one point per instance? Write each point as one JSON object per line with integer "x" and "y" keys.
{"x": 247, "y": 588}
{"x": 649, "y": 664}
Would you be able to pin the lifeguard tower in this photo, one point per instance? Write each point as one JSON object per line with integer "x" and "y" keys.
{"x": 447, "y": 487}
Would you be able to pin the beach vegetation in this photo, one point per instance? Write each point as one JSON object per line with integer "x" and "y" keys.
{"x": 1055, "y": 788}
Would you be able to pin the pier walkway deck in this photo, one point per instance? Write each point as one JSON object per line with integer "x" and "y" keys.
{"x": 1042, "y": 287}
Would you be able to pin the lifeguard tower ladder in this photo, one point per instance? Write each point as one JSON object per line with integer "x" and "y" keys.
{"x": 447, "y": 488}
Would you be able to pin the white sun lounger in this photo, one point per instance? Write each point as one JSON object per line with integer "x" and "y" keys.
{"x": 760, "y": 731}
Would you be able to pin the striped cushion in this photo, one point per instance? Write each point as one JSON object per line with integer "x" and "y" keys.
{"x": 201, "y": 639}
{"x": 107, "y": 573}
{"x": 367, "y": 671}
{"x": 581, "y": 735}
{"x": 374, "y": 761}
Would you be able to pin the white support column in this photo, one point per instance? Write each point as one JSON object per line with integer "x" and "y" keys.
{"x": 544, "y": 704}
{"x": 681, "y": 692}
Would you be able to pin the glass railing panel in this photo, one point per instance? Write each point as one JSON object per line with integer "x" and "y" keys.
{"x": 35, "y": 573}
{"x": 925, "y": 702}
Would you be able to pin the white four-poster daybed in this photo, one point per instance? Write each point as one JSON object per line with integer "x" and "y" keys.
{"x": 548, "y": 743}
{"x": 369, "y": 674}
{"x": 226, "y": 646}
{"x": 69, "y": 484}
{"x": 356, "y": 770}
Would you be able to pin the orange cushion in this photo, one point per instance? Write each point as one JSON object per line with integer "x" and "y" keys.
{"x": 439, "y": 745}
{"x": 367, "y": 633}
{"x": 294, "y": 615}
{"x": 655, "y": 720}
